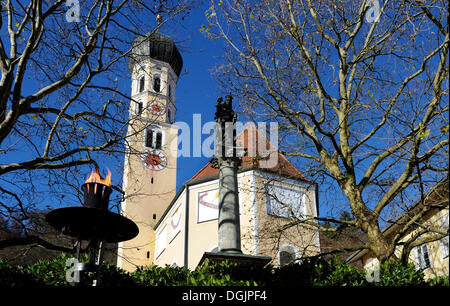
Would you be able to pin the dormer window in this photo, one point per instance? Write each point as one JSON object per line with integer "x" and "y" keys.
{"x": 154, "y": 138}
{"x": 141, "y": 84}
{"x": 157, "y": 83}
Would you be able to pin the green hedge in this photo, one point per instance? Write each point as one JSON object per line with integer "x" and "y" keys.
{"x": 311, "y": 272}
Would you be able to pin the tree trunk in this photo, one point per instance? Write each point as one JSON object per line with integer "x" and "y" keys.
{"x": 367, "y": 221}
{"x": 378, "y": 244}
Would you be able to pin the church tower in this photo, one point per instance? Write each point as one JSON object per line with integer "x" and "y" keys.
{"x": 149, "y": 178}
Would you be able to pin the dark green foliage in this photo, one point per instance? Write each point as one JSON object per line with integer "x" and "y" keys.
{"x": 228, "y": 274}
{"x": 49, "y": 272}
{"x": 396, "y": 274}
{"x": 112, "y": 276}
{"x": 310, "y": 272}
{"x": 219, "y": 274}
{"x": 439, "y": 281}
{"x": 335, "y": 273}
{"x": 158, "y": 276}
{"x": 318, "y": 272}
{"x": 236, "y": 274}
{"x": 15, "y": 276}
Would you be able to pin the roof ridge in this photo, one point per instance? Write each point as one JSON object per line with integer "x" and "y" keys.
{"x": 284, "y": 167}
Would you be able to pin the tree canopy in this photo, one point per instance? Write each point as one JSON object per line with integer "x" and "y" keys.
{"x": 359, "y": 90}
{"x": 62, "y": 107}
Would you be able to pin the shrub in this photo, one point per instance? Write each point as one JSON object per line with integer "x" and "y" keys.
{"x": 318, "y": 272}
{"x": 49, "y": 272}
{"x": 336, "y": 273}
{"x": 111, "y": 276}
{"x": 160, "y": 276}
{"x": 15, "y": 276}
{"x": 310, "y": 272}
{"x": 397, "y": 274}
{"x": 227, "y": 273}
{"x": 438, "y": 281}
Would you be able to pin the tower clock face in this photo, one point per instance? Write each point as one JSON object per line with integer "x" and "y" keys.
{"x": 156, "y": 108}
{"x": 154, "y": 159}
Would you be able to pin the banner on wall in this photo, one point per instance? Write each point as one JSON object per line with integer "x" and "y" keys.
{"x": 208, "y": 205}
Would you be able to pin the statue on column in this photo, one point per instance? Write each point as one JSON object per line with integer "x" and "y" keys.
{"x": 227, "y": 162}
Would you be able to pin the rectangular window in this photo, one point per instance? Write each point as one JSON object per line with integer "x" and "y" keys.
{"x": 422, "y": 257}
{"x": 138, "y": 108}
{"x": 158, "y": 140}
{"x": 443, "y": 243}
{"x": 444, "y": 221}
{"x": 285, "y": 202}
{"x": 149, "y": 139}
{"x": 444, "y": 247}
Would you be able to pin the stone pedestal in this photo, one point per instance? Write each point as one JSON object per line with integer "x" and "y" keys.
{"x": 236, "y": 258}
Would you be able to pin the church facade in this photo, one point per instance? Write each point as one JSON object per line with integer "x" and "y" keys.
{"x": 178, "y": 227}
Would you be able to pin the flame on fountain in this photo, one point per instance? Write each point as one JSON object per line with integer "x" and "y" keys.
{"x": 95, "y": 177}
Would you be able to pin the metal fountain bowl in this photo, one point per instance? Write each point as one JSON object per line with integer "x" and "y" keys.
{"x": 92, "y": 223}
{"x": 93, "y": 220}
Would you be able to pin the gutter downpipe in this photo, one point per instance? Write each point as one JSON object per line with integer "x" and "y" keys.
{"x": 186, "y": 228}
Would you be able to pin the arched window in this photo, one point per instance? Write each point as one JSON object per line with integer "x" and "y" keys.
{"x": 157, "y": 83}
{"x": 287, "y": 254}
{"x": 154, "y": 138}
{"x": 141, "y": 84}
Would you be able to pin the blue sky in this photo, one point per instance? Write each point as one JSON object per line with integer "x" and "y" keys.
{"x": 197, "y": 90}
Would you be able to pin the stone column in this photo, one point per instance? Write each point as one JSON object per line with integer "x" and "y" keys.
{"x": 227, "y": 161}
{"x": 229, "y": 225}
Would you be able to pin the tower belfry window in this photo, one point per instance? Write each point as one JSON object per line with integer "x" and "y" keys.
{"x": 157, "y": 83}
{"x": 154, "y": 138}
{"x": 141, "y": 86}
{"x": 149, "y": 139}
{"x": 158, "y": 143}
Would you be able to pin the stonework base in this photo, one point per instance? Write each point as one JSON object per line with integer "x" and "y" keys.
{"x": 235, "y": 257}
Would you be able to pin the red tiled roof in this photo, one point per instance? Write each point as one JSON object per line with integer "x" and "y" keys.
{"x": 282, "y": 167}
